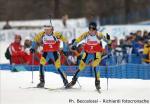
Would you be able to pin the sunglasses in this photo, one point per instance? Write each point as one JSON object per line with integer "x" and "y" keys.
{"x": 92, "y": 28}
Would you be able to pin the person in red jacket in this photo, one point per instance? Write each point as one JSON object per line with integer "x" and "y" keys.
{"x": 17, "y": 51}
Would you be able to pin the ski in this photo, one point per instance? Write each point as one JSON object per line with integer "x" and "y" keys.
{"x": 33, "y": 87}
{"x": 56, "y": 89}
{"x": 47, "y": 88}
{"x": 63, "y": 88}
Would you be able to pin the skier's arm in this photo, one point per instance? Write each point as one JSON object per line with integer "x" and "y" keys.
{"x": 37, "y": 39}
{"x": 82, "y": 36}
{"x": 61, "y": 37}
{"x": 105, "y": 38}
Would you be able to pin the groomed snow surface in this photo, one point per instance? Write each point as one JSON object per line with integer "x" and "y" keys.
{"x": 12, "y": 90}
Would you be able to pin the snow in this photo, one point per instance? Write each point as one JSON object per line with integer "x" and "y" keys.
{"x": 12, "y": 92}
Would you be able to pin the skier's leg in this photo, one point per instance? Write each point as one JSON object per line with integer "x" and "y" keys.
{"x": 58, "y": 65}
{"x": 82, "y": 66}
{"x": 97, "y": 72}
{"x": 41, "y": 71}
{"x": 97, "y": 79}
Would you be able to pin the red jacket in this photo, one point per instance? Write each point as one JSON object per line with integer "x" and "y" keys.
{"x": 17, "y": 53}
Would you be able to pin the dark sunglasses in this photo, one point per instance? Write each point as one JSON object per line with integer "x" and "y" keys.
{"x": 92, "y": 27}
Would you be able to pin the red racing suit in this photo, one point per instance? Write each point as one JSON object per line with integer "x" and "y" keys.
{"x": 50, "y": 43}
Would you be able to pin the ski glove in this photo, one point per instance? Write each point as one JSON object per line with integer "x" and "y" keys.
{"x": 32, "y": 50}
{"x": 74, "y": 44}
{"x": 74, "y": 47}
{"x": 107, "y": 36}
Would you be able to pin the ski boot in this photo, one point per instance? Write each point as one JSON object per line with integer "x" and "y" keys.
{"x": 72, "y": 83}
{"x": 97, "y": 85}
{"x": 65, "y": 81}
{"x": 42, "y": 82}
{"x": 41, "y": 85}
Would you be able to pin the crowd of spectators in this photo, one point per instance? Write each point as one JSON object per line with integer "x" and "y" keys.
{"x": 120, "y": 51}
{"x": 133, "y": 45}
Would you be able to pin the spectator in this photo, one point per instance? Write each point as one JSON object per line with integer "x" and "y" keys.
{"x": 29, "y": 56}
{"x": 119, "y": 54}
{"x": 123, "y": 51}
{"x": 140, "y": 45}
{"x": 111, "y": 50}
{"x": 146, "y": 52}
{"x": 148, "y": 35}
{"x": 27, "y": 42}
{"x": 64, "y": 20}
{"x": 137, "y": 46}
{"x": 134, "y": 43}
{"x": 92, "y": 18}
{"x": 114, "y": 43}
{"x": 138, "y": 35}
{"x": 17, "y": 51}
{"x": 72, "y": 59}
{"x": 7, "y": 25}
{"x": 145, "y": 35}
{"x": 128, "y": 42}
{"x": 122, "y": 45}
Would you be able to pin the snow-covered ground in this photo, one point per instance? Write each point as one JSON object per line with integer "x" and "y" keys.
{"x": 12, "y": 92}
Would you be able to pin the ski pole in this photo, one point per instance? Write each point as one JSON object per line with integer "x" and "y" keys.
{"x": 107, "y": 64}
{"x": 107, "y": 70}
{"x": 50, "y": 17}
{"x": 32, "y": 65}
{"x": 79, "y": 84}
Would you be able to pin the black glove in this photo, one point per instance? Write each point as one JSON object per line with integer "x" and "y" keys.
{"x": 108, "y": 36}
{"x": 74, "y": 47}
{"x": 32, "y": 50}
{"x": 73, "y": 40}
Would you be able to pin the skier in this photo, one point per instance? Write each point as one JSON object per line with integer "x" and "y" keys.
{"x": 51, "y": 45}
{"x": 92, "y": 52}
